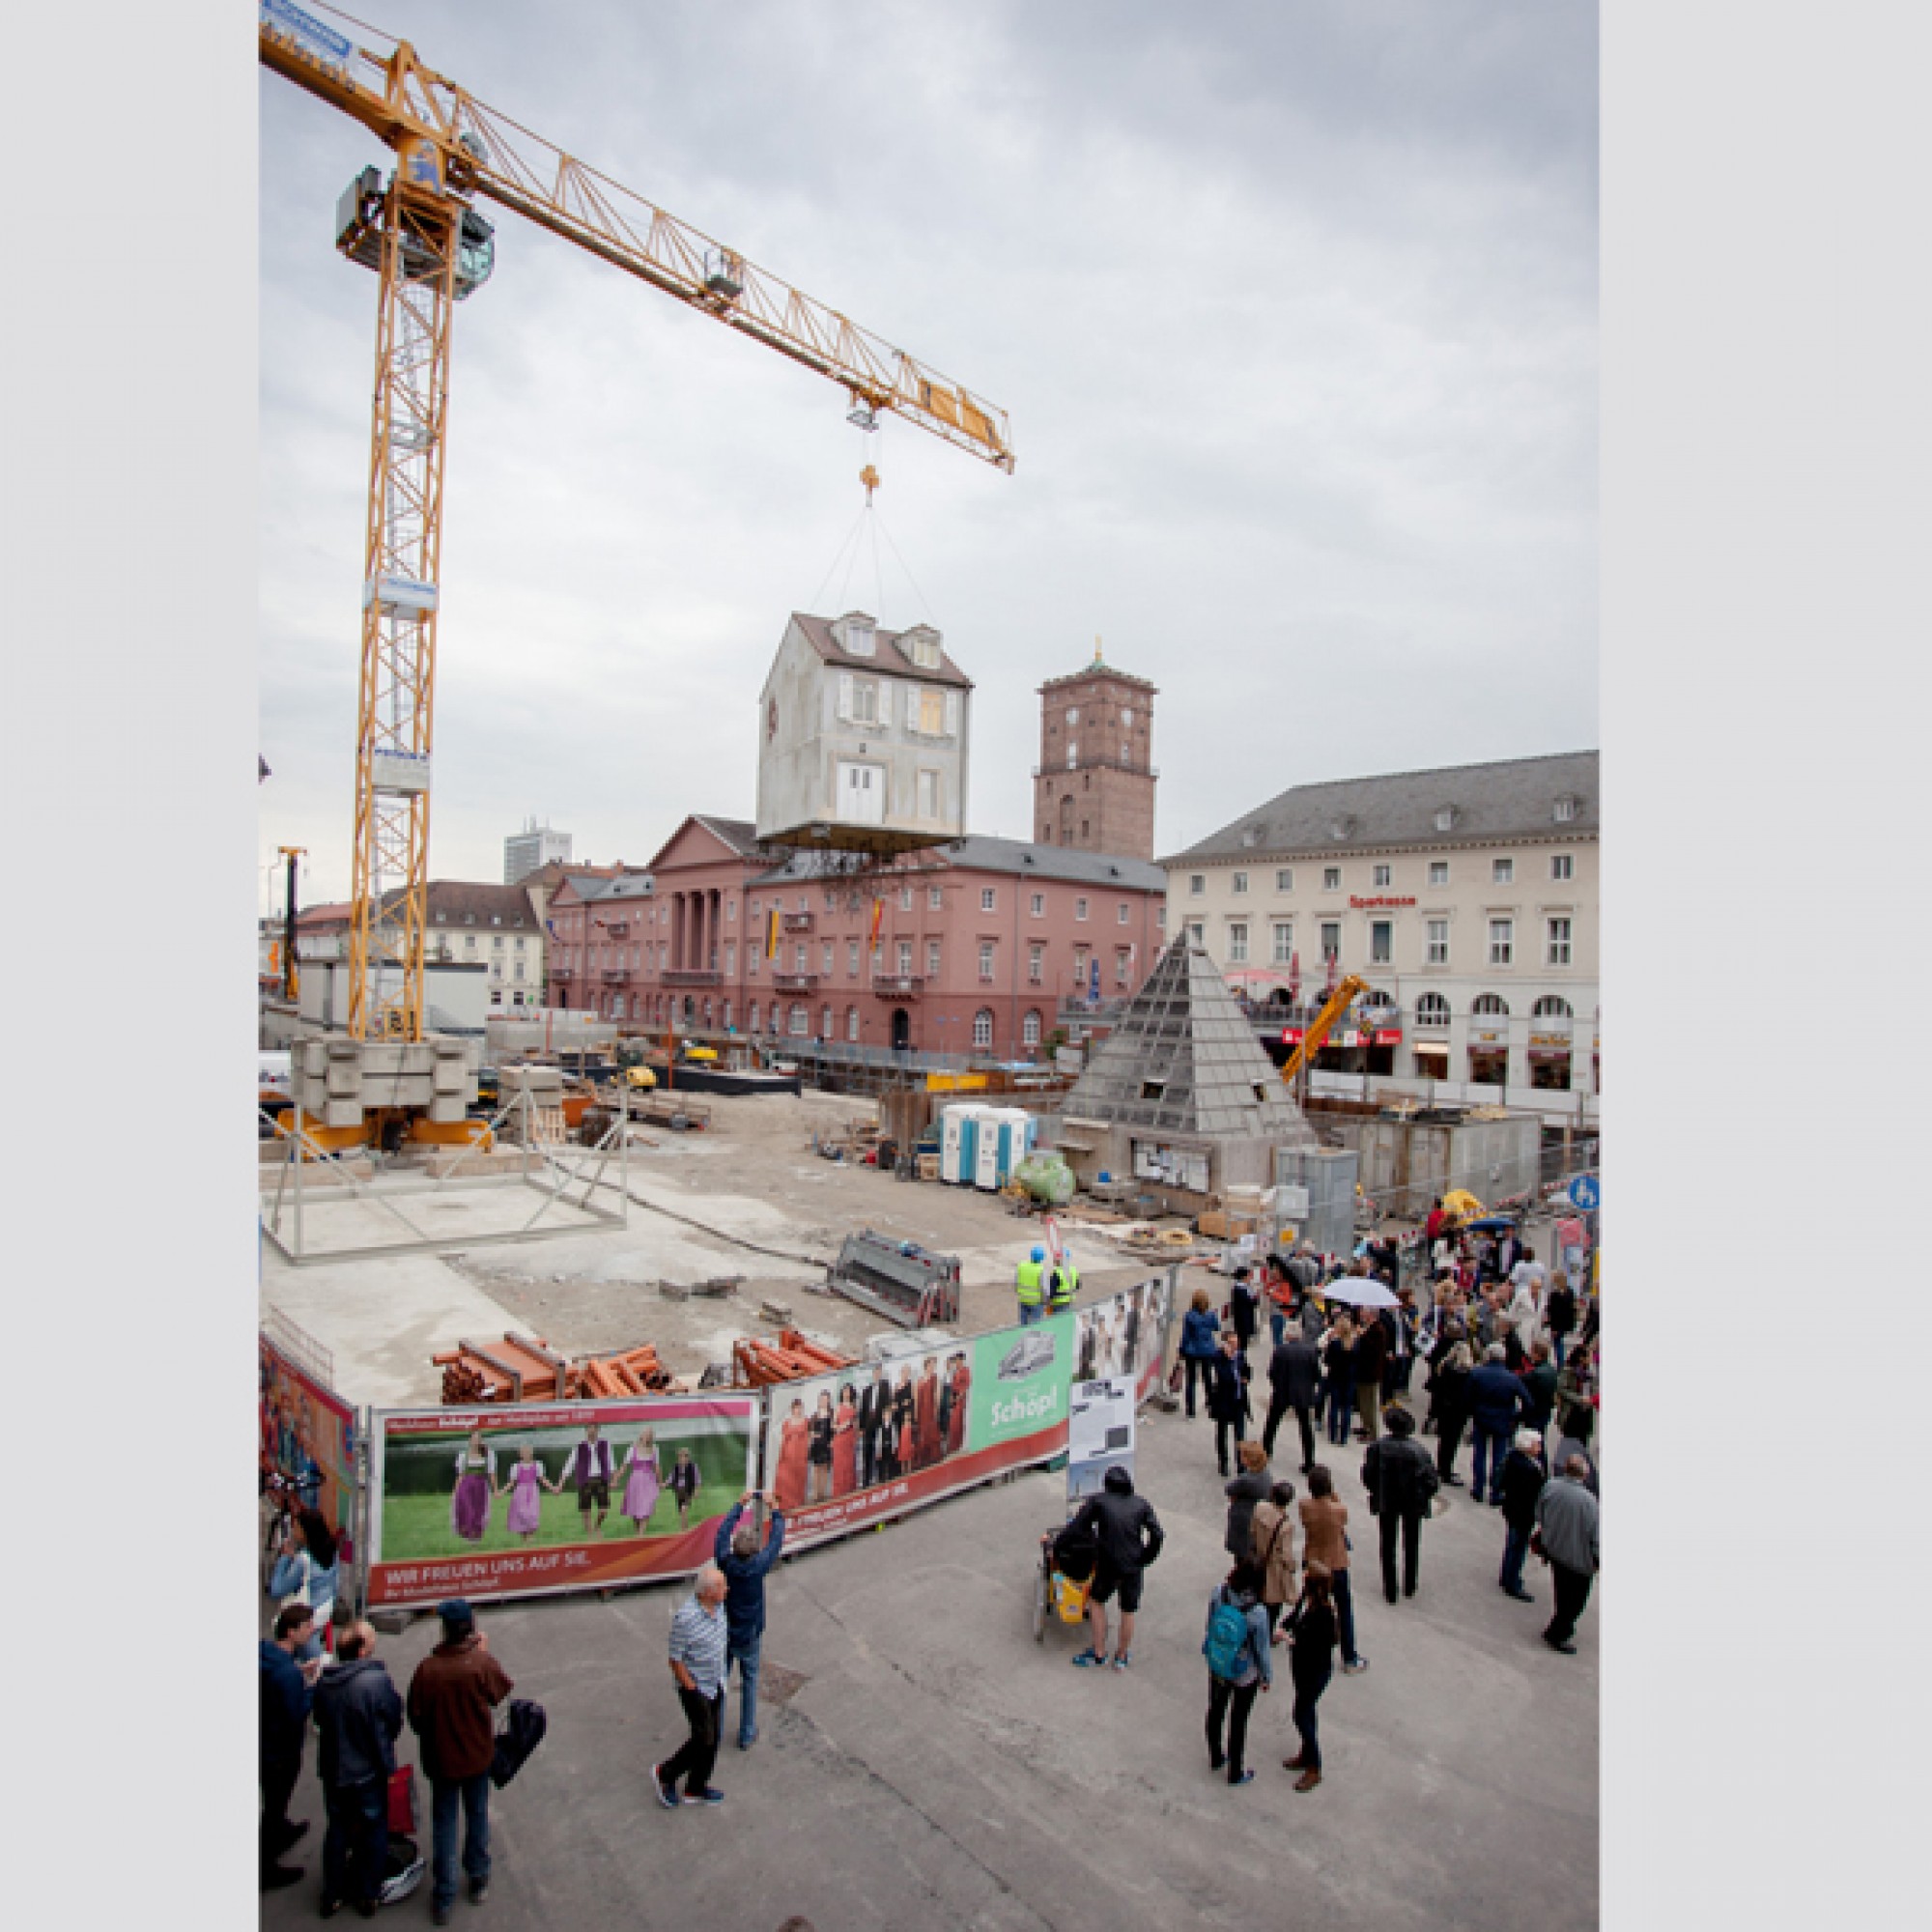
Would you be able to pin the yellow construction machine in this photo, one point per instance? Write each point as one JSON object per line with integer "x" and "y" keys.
{"x": 1323, "y": 1024}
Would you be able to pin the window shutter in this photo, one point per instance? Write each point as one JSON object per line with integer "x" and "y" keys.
{"x": 845, "y": 695}
{"x": 953, "y": 714}
{"x": 912, "y": 707}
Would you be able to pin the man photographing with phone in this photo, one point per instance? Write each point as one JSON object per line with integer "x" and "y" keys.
{"x": 745, "y": 1558}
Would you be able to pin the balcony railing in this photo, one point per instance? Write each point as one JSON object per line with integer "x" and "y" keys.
{"x": 795, "y": 983}
{"x": 613, "y": 974}
{"x": 898, "y": 986}
{"x": 797, "y": 921}
{"x": 691, "y": 976}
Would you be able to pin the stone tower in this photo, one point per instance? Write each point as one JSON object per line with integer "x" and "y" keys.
{"x": 1094, "y": 788}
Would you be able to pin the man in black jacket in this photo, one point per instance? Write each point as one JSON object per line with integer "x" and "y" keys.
{"x": 1401, "y": 1481}
{"x": 287, "y": 1688}
{"x": 359, "y": 1715}
{"x": 1294, "y": 1372}
{"x": 1228, "y": 1377}
{"x": 1130, "y": 1537}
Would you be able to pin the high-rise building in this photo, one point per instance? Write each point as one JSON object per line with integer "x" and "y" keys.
{"x": 1094, "y": 788}
{"x": 530, "y": 849}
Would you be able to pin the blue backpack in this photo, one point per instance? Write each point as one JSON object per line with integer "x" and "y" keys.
{"x": 1227, "y": 1640}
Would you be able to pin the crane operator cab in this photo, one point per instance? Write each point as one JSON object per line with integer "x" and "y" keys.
{"x": 359, "y": 235}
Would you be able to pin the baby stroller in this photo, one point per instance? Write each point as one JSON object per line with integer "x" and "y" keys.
{"x": 1065, "y": 1578}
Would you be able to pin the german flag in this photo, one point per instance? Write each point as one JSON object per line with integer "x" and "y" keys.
{"x": 771, "y": 933}
{"x": 878, "y": 915}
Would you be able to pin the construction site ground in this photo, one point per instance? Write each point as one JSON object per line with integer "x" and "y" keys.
{"x": 749, "y": 1197}
{"x": 924, "y": 1763}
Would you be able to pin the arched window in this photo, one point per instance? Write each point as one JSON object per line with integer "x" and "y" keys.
{"x": 800, "y": 1020}
{"x": 825, "y": 1031}
{"x": 708, "y": 1013}
{"x": 1375, "y": 997}
{"x": 726, "y": 1016}
{"x": 1552, "y": 1007}
{"x": 1431, "y": 1009}
{"x": 852, "y": 1024}
{"x": 1489, "y": 1006}
{"x": 982, "y": 1027}
{"x": 1030, "y": 1028}
{"x": 751, "y": 1017}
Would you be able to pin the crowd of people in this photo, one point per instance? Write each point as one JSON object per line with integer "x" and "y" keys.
{"x": 1498, "y": 1348}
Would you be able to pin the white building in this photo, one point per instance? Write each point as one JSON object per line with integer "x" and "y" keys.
{"x": 532, "y": 849}
{"x": 1466, "y": 898}
{"x": 862, "y": 734}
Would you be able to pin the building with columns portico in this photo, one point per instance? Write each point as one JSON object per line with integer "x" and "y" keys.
{"x": 978, "y": 943}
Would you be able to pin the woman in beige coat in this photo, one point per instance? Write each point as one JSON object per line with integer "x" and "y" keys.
{"x": 1272, "y": 1544}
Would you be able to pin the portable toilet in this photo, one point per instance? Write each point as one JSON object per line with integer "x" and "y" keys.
{"x": 953, "y": 1164}
{"x": 986, "y": 1148}
{"x": 1003, "y": 1128}
{"x": 1002, "y": 1145}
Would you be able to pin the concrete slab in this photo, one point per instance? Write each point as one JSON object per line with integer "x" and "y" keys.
{"x": 937, "y": 1768}
{"x": 383, "y": 1320}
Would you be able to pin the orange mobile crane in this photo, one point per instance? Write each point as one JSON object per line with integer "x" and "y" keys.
{"x": 422, "y": 233}
{"x": 1321, "y": 1027}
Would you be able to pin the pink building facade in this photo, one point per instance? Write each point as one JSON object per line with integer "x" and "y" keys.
{"x": 976, "y": 943}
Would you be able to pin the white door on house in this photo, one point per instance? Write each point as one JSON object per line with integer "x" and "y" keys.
{"x": 862, "y": 793}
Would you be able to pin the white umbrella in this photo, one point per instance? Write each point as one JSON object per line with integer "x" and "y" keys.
{"x": 1357, "y": 1290}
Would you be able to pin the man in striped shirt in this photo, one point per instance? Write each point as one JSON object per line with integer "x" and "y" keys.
{"x": 697, "y": 1641}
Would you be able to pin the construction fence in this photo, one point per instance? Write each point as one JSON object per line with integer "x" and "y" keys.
{"x": 505, "y": 1500}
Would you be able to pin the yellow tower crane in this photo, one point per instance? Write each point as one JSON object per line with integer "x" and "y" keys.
{"x": 423, "y": 236}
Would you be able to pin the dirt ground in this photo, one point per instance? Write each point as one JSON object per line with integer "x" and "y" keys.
{"x": 749, "y": 1197}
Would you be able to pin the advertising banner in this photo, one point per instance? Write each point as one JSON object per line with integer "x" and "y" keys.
{"x": 307, "y": 1437}
{"x": 1124, "y": 1334}
{"x": 874, "y": 1440}
{"x": 1099, "y": 1435}
{"x": 511, "y": 1501}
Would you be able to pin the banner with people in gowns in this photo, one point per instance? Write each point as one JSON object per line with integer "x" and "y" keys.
{"x": 874, "y": 1440}
{"x": 518, "y": 1500}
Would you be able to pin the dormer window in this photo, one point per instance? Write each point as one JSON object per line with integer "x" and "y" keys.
{"x": 1445, "y": 818}
{"x": 1341, "y": 827}
{"x": 1251, "y": 834}
{"x": 1566, "y": 807}
{"x": 856, "y": 634}
{"x": 921, "y": 644}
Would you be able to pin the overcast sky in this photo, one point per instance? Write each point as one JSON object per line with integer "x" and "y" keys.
{"x": 1293, "y": 308}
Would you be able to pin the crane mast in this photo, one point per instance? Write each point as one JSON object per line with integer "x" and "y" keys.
{"x": 395, "y": 716}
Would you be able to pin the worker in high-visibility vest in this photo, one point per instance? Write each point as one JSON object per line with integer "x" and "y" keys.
{"x": 1028, "y": 1287}
{"x": 1063, "y": 1279}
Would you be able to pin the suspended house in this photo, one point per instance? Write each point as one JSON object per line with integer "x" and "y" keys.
{"x": 863, "y": 738}
{"x": 1181, "y": 1094}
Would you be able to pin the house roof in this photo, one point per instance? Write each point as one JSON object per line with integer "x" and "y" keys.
{"x": 978, "y": 853}
{"x": 630, "y": 883}
{"x": 740, "y": 834}
{"x": 1515, "y": 798}
{"x": 1182, "y": 1059}
{"x": 891, "y": 660}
